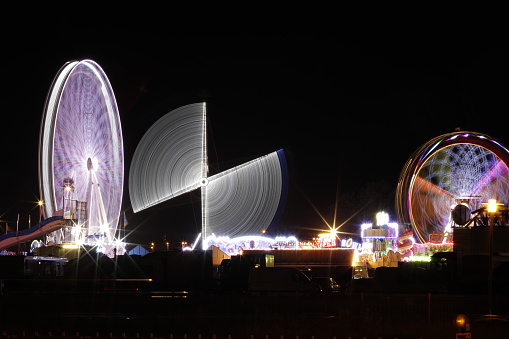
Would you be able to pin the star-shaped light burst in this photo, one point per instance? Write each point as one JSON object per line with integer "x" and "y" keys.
{"x": 332, "y": 229}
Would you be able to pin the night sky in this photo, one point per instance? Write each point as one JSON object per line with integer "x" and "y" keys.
{"x": 348, "y": 108}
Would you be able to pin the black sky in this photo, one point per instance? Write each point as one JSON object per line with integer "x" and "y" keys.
{"x": 348, "y": 107}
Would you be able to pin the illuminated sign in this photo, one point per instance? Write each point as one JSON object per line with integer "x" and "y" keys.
{"x": 349, "y": 243}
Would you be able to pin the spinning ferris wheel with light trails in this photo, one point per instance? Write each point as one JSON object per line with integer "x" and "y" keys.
{"x": 449, "y": 178}
{"x": 171, "y": 159}
{"x": 81, "y": 160}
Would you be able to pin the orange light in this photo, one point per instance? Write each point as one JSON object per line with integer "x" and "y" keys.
{"x": 462, "y": 323}
{"x": 492, "y": 206}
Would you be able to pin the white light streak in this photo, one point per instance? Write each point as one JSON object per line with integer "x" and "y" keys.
{"x": 168, "y": 160}
{"x": 244, "y": 199}
{"x": 171, "y": 159}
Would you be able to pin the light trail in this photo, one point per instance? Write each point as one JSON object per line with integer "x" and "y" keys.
{"x": 81, "y": 139}
{"x": 171, "y": 159}
{"x": 461, "y": 166}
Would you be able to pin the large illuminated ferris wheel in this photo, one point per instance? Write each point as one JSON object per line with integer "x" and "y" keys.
{"x": 171, "y": 159}
{"x": 81, "y": 161}
{"x": 449, "y": 178}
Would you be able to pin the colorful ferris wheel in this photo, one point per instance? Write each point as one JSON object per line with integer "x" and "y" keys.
{"x": 81, "y": 161}
{"x": 448, "y": 179}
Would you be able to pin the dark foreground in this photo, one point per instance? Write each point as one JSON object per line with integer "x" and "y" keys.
{"x": 163, "y": 315}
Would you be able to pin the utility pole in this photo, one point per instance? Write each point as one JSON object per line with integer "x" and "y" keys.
{"x": 492, "y": 209}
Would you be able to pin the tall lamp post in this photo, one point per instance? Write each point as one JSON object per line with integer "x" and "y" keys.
{"x": 492, "y": 209}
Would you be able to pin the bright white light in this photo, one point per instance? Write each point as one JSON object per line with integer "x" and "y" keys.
{"x": 95, "y": 163}
{"x": 418, "y": 258}
{"x": 196, "y": 241}
{"x": 286, "y": 239}
{"x": 70, "y": 246}
{"x": 382, "y": 218}
{"x": 366, "y": 226}
{"x": 236, "y": 245}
